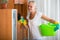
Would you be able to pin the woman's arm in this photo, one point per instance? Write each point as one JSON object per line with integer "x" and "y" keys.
{"x": 49, "y": 19}
{"x": 26, "y": 25}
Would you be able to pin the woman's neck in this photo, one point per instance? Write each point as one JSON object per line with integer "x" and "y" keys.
{"x": 32, "y": 15}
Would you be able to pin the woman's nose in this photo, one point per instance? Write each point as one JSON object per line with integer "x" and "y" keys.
{"x": 29, "y": 7}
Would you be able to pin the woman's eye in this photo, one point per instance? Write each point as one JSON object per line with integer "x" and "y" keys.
{"x": 30, "y": 6}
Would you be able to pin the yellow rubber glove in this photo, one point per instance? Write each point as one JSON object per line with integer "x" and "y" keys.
{"x": 56, "y": 22}
{"x": 25, "y": 22}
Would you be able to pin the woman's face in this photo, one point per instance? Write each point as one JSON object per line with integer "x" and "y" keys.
{"x": 31, "y": 7}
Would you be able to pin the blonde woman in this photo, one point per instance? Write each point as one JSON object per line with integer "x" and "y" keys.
{"x": 34, "y": 18}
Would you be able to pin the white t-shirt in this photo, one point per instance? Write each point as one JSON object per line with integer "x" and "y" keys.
{"x": 34, "y": 28}
{"x": 34, "y": 24}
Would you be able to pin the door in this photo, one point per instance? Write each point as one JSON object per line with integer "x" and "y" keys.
{"x": 5, "y": 24}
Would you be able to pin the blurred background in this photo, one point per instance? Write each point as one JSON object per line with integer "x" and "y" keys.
{"x": 51, "y": 8}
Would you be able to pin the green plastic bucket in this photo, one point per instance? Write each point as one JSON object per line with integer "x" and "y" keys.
{"x": 47, "y": 29}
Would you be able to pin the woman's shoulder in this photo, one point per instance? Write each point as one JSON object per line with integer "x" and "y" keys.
{"x": 39, "y": 13}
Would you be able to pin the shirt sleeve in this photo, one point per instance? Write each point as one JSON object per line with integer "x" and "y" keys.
{"x": 40, "y": 14}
